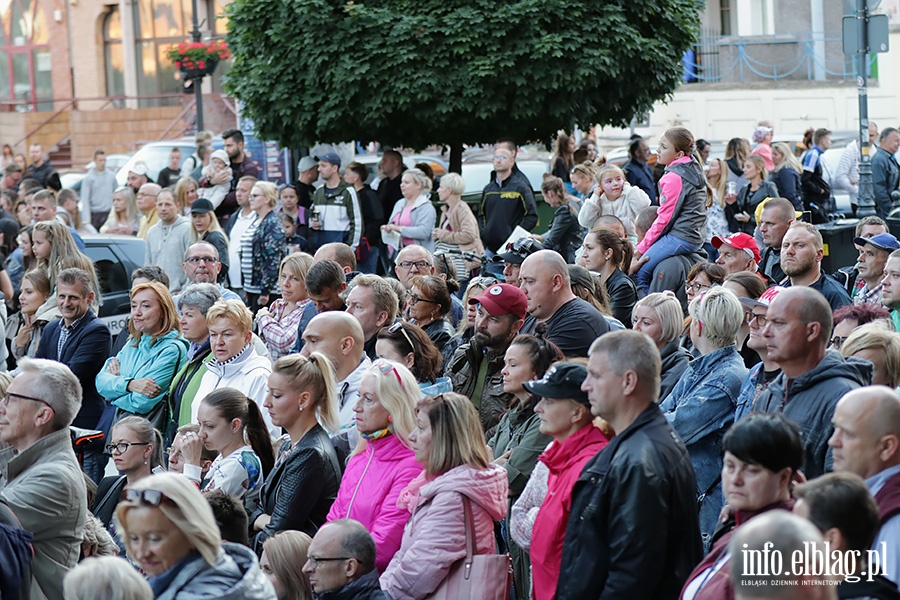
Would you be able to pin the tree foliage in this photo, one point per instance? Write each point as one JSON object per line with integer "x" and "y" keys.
{"x": 420, "y": 72}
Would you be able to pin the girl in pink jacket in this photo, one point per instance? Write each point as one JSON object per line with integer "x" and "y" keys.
{"x": 382, "y": 465}
{"x": 448, "y": 441}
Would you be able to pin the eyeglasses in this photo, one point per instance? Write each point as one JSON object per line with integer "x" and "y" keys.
{"x": 151, "y": 498}
{"x": 759, "y": 319}
{"x": 171, "y": 453}
{"x": 413, "y": 299}
{"x": 499, "y": 157}
{"x": 838, "y": 341}
{"x": 315, "y": 560}
{"x": 8, "y": 395}
{"x": 204, "y": 259}
{"x": 122, "y": 447}
{"x": 484, "y": 281}
{"x": 420, "y": 265}
{"x": 384, "y": 367}
{"x": 398, "y": 326}
{"x": 696, "y": 287}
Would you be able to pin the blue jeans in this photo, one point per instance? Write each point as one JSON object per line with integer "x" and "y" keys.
{"x": 666, "y": 246}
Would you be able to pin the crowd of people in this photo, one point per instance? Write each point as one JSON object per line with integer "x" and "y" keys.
{"x": 340, "y": 391}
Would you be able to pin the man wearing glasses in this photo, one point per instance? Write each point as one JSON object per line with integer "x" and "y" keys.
{"x": 341, "y": 562}
{"x": 507, "y": 201}
{"x": 201, "y": 265}
{"x": 43, "y": 484}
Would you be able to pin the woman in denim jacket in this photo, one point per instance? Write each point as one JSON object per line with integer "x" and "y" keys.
{"x": 702, "y": 404}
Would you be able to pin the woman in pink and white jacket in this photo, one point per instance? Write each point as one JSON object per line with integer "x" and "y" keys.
{"x": 383, "y": 464}
{"x": 449, "y": 443}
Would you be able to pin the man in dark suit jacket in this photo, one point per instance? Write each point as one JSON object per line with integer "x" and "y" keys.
{"x": 80, "y": 341}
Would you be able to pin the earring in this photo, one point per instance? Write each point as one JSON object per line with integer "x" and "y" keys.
{"x": 300, "y": 408}
{"x": 390, "y": 419}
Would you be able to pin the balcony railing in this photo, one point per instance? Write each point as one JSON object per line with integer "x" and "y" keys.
{"x": 805, "y": 56}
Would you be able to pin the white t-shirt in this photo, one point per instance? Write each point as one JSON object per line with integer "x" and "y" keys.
{"x": 234, "y": 247}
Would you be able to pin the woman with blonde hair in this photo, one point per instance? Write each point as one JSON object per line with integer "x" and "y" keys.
{"x": 584, "y": 179}
{"x": 186, "y": 193}
{"x": 136, "y": 380}
{"x": 106, "y": 577}
{"x": 413, "y": 215}
{"x": 278, "y": 324}
{"x": 458, "y": 229}
{"x": 55, "y": 250}
{"x": 205, "y": 228}
{"x": 660, "y": 316}
{"x": 24, "y": 328}
{"x": 282, "y": 555}
{"x": 614, "y": 196}
{"x": 299, "y": 491}
{"x": 786, "y": 175}
{"x": 262, "y": 247}
{"x": 170, "y": 532}
{"x": 458, "y": 478}
{"x": 382, "y": 464}
{"x": 716, "y": 222}
{"x": 741, "y": 211}
{"x": 124, "y": 217}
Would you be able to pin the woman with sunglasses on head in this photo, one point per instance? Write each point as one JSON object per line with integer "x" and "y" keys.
{"x": 136, "y": 448}
{"x": 428, "y": 306}
{"x": 382, "y": 464}
{"x": 410, "y": 346}
{"x": 170, "y": 532}
{"x": 301, "y": 488}
{"x": 458, "y": 475}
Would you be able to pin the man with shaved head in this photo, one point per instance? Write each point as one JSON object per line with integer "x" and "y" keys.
{"x": 340, "y": 337}
{"x": 866, "y": 441}
{"x": 802, "y": 250}
{"x": 146, "y": 203}
{"x": 340, "y": 253}
{"x": 571, "y": 323}
{"x": 811, "y": 382}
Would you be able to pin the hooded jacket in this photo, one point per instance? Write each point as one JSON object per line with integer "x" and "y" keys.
{"x": 246, "y": 371}
{"x": 675, "y": 359}
{"x": 435, "y": 536}
{"x": 369, "y": 491}
{"x": 564, "y": 462}
{"x": 235, "y": 576}
{"x": 809, "y": 401}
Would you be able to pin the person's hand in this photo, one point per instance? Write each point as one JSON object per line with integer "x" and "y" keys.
{"x": 114, "y": 368}
{"x": 145, "y": 387}
{"x": 219, "y": 177}
{"x": 501, "y": 461}
{"x": 263, "y": 312}
{"x": 743, "y": 217}
{"x": 636, "y": 263}
{"x": 191, "y": 448}
{"x": 261, "y": 521}
{"x": 854, "y": 181}
{"x": 725, "y": 513}
{"x": 436, "y": 234}
{"x": 263, "y": 299}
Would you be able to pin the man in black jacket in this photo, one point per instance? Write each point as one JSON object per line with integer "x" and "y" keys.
{"x": 80, "y": 341}
{"x": 633, "y": 530}
{"x": 507, "y": 200}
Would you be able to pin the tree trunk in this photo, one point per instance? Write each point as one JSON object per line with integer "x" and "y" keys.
{"x": 456, "y": 152}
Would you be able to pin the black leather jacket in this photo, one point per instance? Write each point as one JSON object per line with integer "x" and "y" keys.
{"x": 299, "y": 491}
{"x": 622, "y": 296}
{"x": 633, "y": 530}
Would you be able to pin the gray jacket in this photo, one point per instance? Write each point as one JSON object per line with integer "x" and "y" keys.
{"x": 236, "y": 576}
{"x": 809, "y": 401}
{"x": 44, "y": 487}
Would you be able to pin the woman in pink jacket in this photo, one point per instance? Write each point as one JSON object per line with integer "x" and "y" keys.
{"x": 382, "y": 465}
{"x": 449, "y": 443}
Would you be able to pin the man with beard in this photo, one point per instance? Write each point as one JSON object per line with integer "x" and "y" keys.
{"x": 475, "y": 367}
{"x": 802, "y": 250}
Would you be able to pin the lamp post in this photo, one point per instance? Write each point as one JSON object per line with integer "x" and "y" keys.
{"x": 198, "y": 82}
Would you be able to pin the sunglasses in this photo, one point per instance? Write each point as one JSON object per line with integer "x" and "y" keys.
{"x": 384, "y": 367}
{"x": 398, "y": 326}
{"x": 151, "y": 498}
{"x": 484, "y": 281}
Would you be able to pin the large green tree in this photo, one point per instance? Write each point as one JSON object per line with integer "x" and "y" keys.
{"x": 419, "y": 72}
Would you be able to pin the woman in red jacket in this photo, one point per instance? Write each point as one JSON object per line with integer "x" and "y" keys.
{"x": 540, "y": 515}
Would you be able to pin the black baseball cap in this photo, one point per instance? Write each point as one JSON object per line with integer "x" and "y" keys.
{"x": 562, "y": 380}
{"x": 516, "y": 252}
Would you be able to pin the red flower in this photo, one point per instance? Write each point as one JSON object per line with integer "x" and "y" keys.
{"x": 201, "y": 64}
{"x": 177, "y": 64}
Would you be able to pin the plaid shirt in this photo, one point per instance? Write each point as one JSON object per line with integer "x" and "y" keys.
{"x": 279, "y": 331}
{"x": 65, "y": 332}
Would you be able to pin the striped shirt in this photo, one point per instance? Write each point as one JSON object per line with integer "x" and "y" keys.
{"x": 247, "y": 256}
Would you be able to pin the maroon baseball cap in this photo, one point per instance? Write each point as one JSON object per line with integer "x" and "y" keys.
{"x": 503, "y": 299}
{"x": 741, "y": 241}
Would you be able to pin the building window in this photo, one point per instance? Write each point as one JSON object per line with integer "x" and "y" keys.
{"x": 112, "y": 48}
{"x": 725, "y": 16}
{"x": 25, "y": 64}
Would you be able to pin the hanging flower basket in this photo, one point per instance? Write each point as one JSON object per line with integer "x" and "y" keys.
{"x": 198, "y": 59}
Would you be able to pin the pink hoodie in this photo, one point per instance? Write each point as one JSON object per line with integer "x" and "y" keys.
{"x": 369, "y": 490}
{"x": 435, "y": 536}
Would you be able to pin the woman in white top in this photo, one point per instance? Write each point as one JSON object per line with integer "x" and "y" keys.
{"x": 232, "y": 425}
{"x": 617, "y": 197}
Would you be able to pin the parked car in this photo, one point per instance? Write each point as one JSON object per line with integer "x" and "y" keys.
{"x": 156, "y": 156}
{"x": 372, "y": 161}
{"x": 115, "y": 257}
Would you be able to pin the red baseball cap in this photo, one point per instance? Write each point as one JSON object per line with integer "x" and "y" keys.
{"x": 741, "y": 241}
{"x": 503, "y": 299}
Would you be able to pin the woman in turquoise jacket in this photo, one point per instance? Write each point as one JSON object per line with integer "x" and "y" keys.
{"x": 137, "y": 378}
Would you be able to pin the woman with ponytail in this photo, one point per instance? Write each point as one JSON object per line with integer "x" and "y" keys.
{"x": 302, "y": 485}
{"x": 231, "y": 425}
{"x": 382, "y": 464}
{"x": 606, "y": 253}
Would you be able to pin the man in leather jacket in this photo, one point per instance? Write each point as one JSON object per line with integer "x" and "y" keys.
{"x": 475, "y": 369}
{"x": 633, "y": 530}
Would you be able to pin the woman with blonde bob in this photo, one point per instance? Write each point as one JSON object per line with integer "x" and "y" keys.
{"x": 302, "y": 486}
{"x": 124, "y": 218}
{"x": 878, "y": 343}
{"x": 382, "y": 464}
{"x": 281, "y": 558}
{"x": 106, "y": 577}
{"x": 278, "y": 324}
{"x": 659, "y": 316}
{"x": 458, "y": 229}
{"x": 137, "y": 378}
{"x": 170, "y": 532}
{"x": 413, "y": 215}
{"x": 262, "y": 246}
{"x": 449, "y": 443}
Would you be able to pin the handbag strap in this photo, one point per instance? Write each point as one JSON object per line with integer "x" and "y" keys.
{"x": 470, "y": 534}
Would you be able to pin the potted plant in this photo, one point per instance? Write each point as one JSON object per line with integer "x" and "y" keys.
{"x": 198, "y": 59}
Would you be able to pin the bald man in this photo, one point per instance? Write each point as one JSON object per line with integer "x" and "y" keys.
{"x": 340, "y": 253}
{"x": 866, "y": 441}
{"x": 572, "y": 323}
{"x": 340, "y": 337}
{"x": 812, "y": 380}
{"x": 146, "y": 203}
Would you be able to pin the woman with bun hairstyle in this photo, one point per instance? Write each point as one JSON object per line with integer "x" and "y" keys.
{"x": 606, "y": 253}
